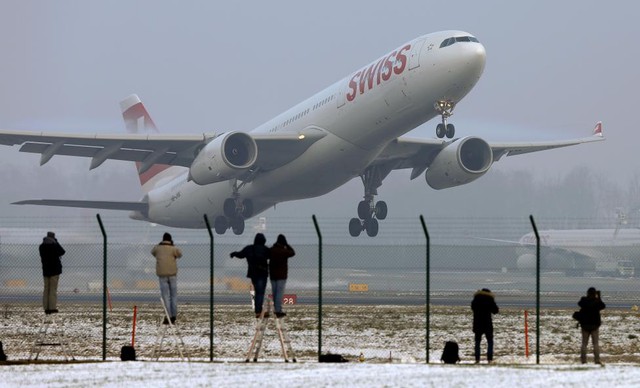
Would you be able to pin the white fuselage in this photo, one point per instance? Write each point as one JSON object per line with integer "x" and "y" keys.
{"x": 360, "y": 114}
{"x": 601, "y": 244}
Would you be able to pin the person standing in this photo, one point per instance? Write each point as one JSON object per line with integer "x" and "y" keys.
{"x": 279, "y": 256}
{"x": 257, "y": 256}
{"x": 167, "y": 256}
{"x": 50, "y": 253}
{"x": 590, "y": 321}
{"x": 483, "y": 306}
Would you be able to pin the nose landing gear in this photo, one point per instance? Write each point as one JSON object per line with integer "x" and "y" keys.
{"x": 445, "y": 109}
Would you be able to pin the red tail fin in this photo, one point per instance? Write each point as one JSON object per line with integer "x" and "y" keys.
{"x": 597, "y": 130}
{"x": 137, "y": 120}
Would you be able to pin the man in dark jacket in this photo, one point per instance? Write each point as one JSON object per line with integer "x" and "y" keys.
{"x": 279, "y": 256}
{"x": 590, "y": 307}
{"x": 50, "y": 252}
{"x": 483, "y": 306}
{"x": 257, "y": 256}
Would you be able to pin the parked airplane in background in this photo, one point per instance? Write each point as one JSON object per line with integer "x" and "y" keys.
{"x": 576, "y": 251}
{"x": 350, "y": 129}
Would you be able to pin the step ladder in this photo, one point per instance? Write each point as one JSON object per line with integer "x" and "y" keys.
{"x": 261, "y": 327}
{"x": 169, "y": 331}
{"x": 50, "y": 334}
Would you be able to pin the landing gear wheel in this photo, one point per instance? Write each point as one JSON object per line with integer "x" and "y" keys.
{"x": 381, "y": 210}
{"x": 440, "y": 130}
{"x": 355, "y": 227}
{"x": 247, "y": 208}
{"x": 237, "y": 224}
{"x": 451, "y": 131}
{"x": 371, "y": 226}
{"x": 364, "y": 210}
{"x": 220, "y": 225}
{"x": 229, "y": 207}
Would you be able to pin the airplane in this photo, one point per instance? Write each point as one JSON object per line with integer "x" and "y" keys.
{"x": 576, "y": 251}
{"x": 351, "y": 129}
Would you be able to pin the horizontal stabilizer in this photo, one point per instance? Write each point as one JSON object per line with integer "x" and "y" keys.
{"x": 110, "y": 205}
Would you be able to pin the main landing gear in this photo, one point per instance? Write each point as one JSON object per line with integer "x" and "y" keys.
{"x": 236, "y": 210}
{"x": 369, "y": 211}
{"x": 445, "y": 109}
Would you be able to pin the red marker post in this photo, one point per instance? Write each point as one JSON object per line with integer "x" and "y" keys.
{"x": 526, "y": 333}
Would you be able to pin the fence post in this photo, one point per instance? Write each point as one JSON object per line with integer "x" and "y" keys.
{"x": 104, "y": 288}
{"x": 427, "y": 285}
{"x": 315, "y": 223}
{"x": 206, "y": 221}
{"x": 535, "y": 230}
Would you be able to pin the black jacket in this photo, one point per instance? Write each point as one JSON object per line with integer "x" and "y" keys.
{"x": 257, "y": 256}
{"x": 278, "y": 262}
{"x": 483, "y": 306}
{"x": 590, "y": 308}
{"x": 50, "y": 252}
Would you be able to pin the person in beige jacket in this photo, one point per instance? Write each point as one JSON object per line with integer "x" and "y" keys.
{"x": 167, "y": 255}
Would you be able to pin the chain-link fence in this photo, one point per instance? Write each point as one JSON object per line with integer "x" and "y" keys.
{"x": 373, "y": 289}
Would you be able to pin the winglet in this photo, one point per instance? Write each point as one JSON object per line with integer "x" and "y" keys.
{"x": 132, "y": 111}
{"x": 597, "y": 130}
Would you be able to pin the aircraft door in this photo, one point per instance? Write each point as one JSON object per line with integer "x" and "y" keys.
{"x": 340, "y": 100}
{"x": 414, "y": 56}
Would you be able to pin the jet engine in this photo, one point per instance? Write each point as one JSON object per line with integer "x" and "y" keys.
{"x": 526, "y": 261}
{"x": 462, "y": 161}
{"x": 226, "y": 157}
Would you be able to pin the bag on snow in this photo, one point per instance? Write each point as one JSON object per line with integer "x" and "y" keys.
{"x": 3, "y": 357}
{"x": 332, "y": 358}
{"x": 450, "y": 354}
{"x": 128, "y": 353}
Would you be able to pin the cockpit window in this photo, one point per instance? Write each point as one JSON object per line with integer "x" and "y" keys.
{"x": 452, "y": 40}
{"x": 447, "y": 42}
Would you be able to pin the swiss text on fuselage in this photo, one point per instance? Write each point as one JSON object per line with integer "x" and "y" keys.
{"x": 376, "y": 73}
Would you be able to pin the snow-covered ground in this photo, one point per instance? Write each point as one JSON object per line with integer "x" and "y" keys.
{"x": 390, "y": 338}
{"x": 310, "y": 374}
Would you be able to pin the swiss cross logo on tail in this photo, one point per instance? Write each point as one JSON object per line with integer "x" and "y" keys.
{"x": 597, "y": 131}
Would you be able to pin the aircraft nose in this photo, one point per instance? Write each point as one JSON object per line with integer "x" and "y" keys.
{"x": 477, "y": 56}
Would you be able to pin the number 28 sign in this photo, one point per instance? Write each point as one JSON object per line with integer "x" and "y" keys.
{"x": 288, "y": 299}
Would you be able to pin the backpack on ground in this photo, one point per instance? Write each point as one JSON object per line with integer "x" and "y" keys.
{"x": 450, "y": 354}
{"x": 332, "y": 358}
{"x": 128, "y": 353}
{"x": 3, "y": 357}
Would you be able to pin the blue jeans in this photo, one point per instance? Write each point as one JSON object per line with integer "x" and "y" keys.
{"x": 277, "y": 287}
{"x": 259, "y": 285}
{"x": 169, "y": 292}
{"x": 478, "y": 338}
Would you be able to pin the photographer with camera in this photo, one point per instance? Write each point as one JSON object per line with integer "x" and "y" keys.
{"x": 590, "y": 307}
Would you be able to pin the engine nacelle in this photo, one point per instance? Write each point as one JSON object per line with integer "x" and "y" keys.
{"x": 527, "y": 261}
{"x": 226, "y": 157}
{"x": 459, "y": 163}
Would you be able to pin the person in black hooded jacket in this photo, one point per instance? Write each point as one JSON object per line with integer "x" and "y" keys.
{"x": 483, "y": 306}
{"x": 50, "y": 252}
{"x": 590, "y": 320}
{"x": 257, "y": 256}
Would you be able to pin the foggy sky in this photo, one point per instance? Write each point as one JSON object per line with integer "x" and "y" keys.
{"x": 553, "y": 69}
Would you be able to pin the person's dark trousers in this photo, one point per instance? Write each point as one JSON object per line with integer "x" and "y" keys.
{"x": 259, "y": 285}
{"x": 478, "y": 339}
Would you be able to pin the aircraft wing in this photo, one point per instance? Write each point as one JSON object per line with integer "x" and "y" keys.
{"x": 419, "y": 153}
{"x": 274, "y": 150}
{"x": 111, "y": 205}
